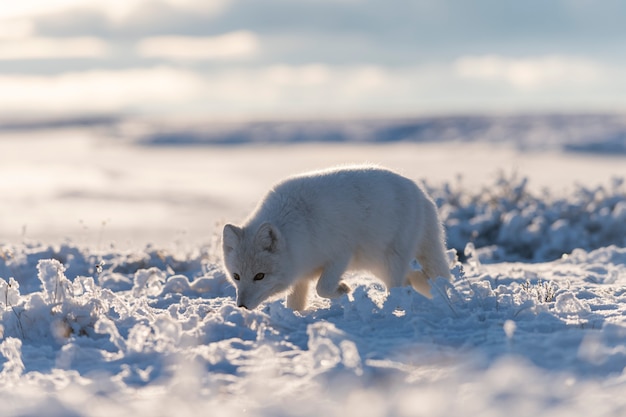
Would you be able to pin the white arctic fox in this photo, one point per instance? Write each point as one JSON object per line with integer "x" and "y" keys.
{"x": 315, "y": 226}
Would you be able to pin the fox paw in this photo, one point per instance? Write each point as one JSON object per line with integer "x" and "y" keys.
{"x": 333, "y": 292}
{"x": 343, "y": 288}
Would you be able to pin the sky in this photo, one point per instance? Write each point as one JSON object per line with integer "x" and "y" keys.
{"x": 310, "y": 58}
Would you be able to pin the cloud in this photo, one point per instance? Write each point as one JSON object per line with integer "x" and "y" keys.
{"x": 16, "y": 29}
{"x": 529, "y": 73}
{"x": 212, "y": 7}
{"x": 146, "y": 89}
{"x": 52, "y": 48}
{"x": 29, "y": 8}
{"x": 234, "y": 45}
{"x": 115, "y": 10}
{"x": 277, "y": 89}
{"x": 313, "y": 90}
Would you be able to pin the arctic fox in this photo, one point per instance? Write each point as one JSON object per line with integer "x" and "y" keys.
{"x": 315, "y": 226}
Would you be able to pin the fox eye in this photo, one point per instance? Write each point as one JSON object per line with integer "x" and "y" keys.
{"x": 236, "y": 277}
{"x": 259, "y": 276}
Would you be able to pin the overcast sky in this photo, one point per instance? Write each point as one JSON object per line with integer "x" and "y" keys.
{"x": 310, "y": 58}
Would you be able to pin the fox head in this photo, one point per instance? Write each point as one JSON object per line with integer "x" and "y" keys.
{"x": 256, "y": 263}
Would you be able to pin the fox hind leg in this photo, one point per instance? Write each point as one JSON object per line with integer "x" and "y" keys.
{"x": 395, "y": 267}
{"x": 432, "y": 259}
{"x": 419, "y": 281}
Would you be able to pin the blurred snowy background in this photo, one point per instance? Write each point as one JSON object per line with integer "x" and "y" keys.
{"x": 99, "y": 97}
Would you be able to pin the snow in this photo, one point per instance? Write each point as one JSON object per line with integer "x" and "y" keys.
{"x": 164, "y": 336}
{"x": 507, "y": 220}
{"x": 533, "y": 323}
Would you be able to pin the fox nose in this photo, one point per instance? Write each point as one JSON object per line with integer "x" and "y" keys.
{"x": 243, "y": 306}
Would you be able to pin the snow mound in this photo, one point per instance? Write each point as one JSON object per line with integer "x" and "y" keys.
{"x": 507, "y": 222}
{"x": 156, "y": 333}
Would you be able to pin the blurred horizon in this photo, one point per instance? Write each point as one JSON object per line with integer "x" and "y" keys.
{"x": 285, "y": 59}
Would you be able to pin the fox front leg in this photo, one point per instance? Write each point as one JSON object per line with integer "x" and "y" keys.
{"x": 297, "y": 299}
{"x": 330, "y": 285}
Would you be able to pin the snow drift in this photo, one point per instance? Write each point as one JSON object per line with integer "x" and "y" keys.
{"x": 508, "y": 222}
{"x": 156, "y": 333}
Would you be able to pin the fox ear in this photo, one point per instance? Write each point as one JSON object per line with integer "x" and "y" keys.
{"x": 231, "y": 237}
{"x": 268, "y": 237}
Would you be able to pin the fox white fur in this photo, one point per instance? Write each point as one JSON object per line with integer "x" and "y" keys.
{"x": 316, "y": 226}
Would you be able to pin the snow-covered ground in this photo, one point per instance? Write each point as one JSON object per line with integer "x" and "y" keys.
{"x": 113, "y": 300}
{"x": 151, "y": 333}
